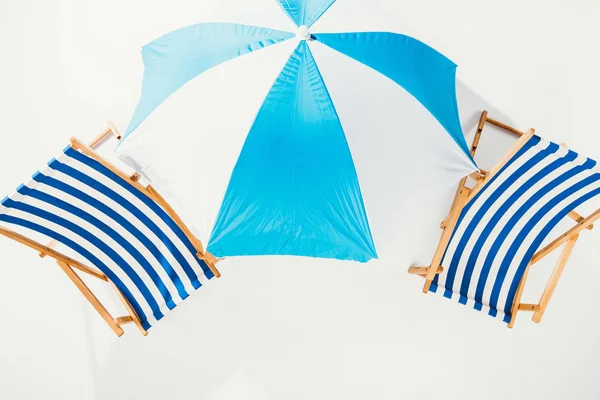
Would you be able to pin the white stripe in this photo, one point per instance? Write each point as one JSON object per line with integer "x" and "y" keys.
{"x": 114, "y": 225}
{"x": 510, "y": 212}
{"x": 114, "y": 244}
{"x": 147, "y": 232}
{"x": 190, "y": 257}
{"x": 486, "y": 218}
{"x": 483, "y": 197}
{"x": 514, "y": 207}
{"x": 518, "y": 227}
{"x": 97, "y": 233}
{"x": 524, "y": 244}
{"x": 136, "y": 202}
{"x": 502, "y": 298}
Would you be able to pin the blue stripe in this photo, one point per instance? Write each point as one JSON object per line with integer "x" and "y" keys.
{"x": 536, "y": 218}
{"x": 511, "y": 224}
{"x": 505, "y": 206}
{"x": 547, "y": 229}
{"x": 526, "y": 147}
{"x": 113, "y": 255}
{"x": 81, "y": 250}
{"x": 91, "y": 182}
{"x": 530, "y": 143}
{"x": 162, "y": 214}
{"x": 462, "y": 300}
{"x": 483, "y": 209}
{"x": 118, "y": 218}
{"x": 46, "y": 198}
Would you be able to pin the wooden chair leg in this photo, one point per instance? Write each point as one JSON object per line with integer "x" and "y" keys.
{"x": 570, "y": 234}
{"x": 132, "y": 314}
{"x": 474, "y": 146}
{"x": 114, "y": 323}
{"x": 517, "y": 303}
{"x": 575, "y": 216}
{"x": 91, "y": 298}
{"x": 556, "y": 274}
{"x": 448, "y": 224}
{"x": 446, "y": 235}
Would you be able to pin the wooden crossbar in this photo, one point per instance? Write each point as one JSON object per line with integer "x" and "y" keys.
{"x": 51, "y": 252}
{"x": 584, "y": 224}
{"x": 505, "y": 127}
{"x": 529, "y": 307}
{"x": 556, "y": 274}
{"x": 51, "y": 245}
{"x": 124, "y": 320}
{"x": 87, "y": 293}
{"x": 422, "y": 271}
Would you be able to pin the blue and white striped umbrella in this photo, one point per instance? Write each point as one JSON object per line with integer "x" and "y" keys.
{"x": 289, "y": 140}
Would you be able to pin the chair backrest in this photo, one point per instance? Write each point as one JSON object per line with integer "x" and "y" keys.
{"x": 81, "y": 203}
{"x": 501, "y": 228}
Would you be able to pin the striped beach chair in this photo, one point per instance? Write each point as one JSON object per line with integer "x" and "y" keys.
{"x": 114, "y": 228}
{"x": 495, "y": 230}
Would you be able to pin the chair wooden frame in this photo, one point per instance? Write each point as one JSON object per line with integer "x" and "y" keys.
{"x": 465, "y": 194}
{"x": 69, "y": 265}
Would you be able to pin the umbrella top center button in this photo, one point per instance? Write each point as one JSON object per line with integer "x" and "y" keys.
{"x": 303, "y": 33}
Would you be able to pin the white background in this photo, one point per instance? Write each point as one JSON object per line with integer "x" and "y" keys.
{"x": 286, "y": 328}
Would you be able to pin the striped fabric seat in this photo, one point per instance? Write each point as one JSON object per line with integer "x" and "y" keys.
{"x": 503, "y": 226}
{"x": 85, "y": 206}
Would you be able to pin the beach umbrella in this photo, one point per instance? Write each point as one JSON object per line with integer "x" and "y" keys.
{"x": 287, "y": 142}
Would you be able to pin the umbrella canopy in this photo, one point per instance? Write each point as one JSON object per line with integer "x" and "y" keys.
{"x": 313, "y": 128}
